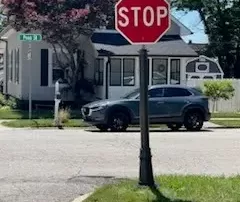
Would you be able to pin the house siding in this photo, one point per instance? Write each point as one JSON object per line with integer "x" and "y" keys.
{"x": 46, "y": 93}
{"x": 14, "y": 88}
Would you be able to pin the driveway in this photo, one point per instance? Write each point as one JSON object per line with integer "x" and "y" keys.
{"x": 54, "y": 165}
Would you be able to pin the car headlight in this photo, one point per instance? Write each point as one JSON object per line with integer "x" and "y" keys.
{"x": 98, "y": 108}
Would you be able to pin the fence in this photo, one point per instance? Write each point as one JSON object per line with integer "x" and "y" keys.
{"x": 232, "y": 105}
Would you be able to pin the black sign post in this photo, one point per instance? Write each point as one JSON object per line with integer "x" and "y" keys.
{"x": 146, "y": 171}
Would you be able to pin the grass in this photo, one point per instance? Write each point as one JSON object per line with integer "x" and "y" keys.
{"x": 172, "y": 189}
{"x": 36, "y": 114}
{"x": 75, "y": 114}
{"x": 46, "y": 123}
{"x": 226, "y": 115}
{"x": 42, "y": 123}
{"x": 227, "y": 123}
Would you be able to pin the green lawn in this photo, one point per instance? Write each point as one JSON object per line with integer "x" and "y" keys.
{"x": 42, "y": 123}
{"x": 172, "y": 189}
{"x": 226, "y": 115}
{"x": 227, "y": 123}
{"x": 45, "y": 123}
{"x": 75, "y": 114}
{"x": 36, "y": 114}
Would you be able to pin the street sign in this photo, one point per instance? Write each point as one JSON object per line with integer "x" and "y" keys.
{"x": 30, "y": 37}
{"x": 142, "y": 22}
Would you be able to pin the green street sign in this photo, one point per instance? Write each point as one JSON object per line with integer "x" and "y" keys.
{"x": 30, "y": 37}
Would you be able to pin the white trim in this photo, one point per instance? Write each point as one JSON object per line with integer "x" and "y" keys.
{"x": 197, "y": 70}
{"x": 201, "y": 76}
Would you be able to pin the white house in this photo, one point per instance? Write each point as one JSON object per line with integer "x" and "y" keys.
{"x": 112, "y": 62}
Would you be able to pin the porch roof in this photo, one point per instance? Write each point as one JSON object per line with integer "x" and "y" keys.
{"x": 162, "y": 48}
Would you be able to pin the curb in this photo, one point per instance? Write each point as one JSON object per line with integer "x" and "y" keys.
{"x": 82, "y": 198}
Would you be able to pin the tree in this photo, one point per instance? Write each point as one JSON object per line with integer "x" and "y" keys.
{"x": 62, "y": 23}
{"x": 221, "y": 22}
{"x": 217, "y": 90}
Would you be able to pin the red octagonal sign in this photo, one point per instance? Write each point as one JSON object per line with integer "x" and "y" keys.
{"x": 142, "y": 21}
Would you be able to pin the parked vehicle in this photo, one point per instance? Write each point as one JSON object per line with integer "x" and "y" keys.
{"x": 173, "y": 105}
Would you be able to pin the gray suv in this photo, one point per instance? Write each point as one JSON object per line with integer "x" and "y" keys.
{"x": 173, "y": 105}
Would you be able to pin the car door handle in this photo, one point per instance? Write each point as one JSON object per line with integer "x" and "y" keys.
{"x": 160, "y": 102}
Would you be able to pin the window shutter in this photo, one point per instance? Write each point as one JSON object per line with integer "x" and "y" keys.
{"x": 44, "y": 67}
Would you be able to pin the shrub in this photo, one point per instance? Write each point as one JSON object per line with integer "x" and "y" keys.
{"x": 64, "y": 115}
{"x": 3, "y": 101}
{"x": 218, "y": 89}
{"x": 10, "y": 102}
{"x": 5, "y": 108}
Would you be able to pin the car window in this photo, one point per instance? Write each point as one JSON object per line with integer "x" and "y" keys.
{"x": 155, "y": 93}
{"x": 176, "y": 92}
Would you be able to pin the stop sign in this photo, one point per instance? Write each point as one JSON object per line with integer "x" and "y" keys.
{"x": 142, "y": 21}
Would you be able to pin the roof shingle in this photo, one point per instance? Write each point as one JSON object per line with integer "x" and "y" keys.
{"x": 162, "y": 48}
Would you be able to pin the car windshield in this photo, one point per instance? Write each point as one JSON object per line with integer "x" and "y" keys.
{"x": 132, "y": 94}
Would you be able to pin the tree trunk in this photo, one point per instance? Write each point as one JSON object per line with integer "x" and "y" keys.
{"x": 80, "y": 64}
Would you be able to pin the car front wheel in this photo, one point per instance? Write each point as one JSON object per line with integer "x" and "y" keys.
{"x": 174, "y": 126}
{"x": 193, "y": 121}
{"x": 119, "y": 122}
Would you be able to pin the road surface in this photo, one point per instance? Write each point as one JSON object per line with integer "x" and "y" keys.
{"x": 60, "y": 165}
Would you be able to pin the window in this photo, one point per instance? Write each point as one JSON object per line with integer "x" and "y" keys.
{"x": 129, "y": 72}
{"x": 57, "y": 71}
{"x": 160, "y": 69}
{"x": 155, "y": 93}
{"x": 1, "y": 61}
{"x": 208, "y": 77}
{"x": 16, "y": 78}
{"x": 176, "y": 92}
{"x": 10, "y": 65}
{"x": 99, "y": 71}
{"x": 195, "y": 77}
{"x": 115, "y": 72}
{"x": 175, "y": 71}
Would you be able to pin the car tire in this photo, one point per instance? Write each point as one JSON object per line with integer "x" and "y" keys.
{"x": 193, "y": 121}
{"x": 174, "y": 126}
{"x": 102, "y": 127}
{"x": 118, "y": 122}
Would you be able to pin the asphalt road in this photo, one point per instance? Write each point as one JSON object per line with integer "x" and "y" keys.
{"x": 52, "y": 165}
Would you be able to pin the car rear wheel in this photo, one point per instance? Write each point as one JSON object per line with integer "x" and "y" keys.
{"x": 102, "y": 127}
{"x": 193, "y": 121}
{"x": 118, "y": 122}
{"x": 174, "y": 126}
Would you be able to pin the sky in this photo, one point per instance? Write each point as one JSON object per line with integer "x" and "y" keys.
{"x": 193, "y": 22}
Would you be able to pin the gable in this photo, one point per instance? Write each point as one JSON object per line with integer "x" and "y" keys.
{"x": 203, "y": 64}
